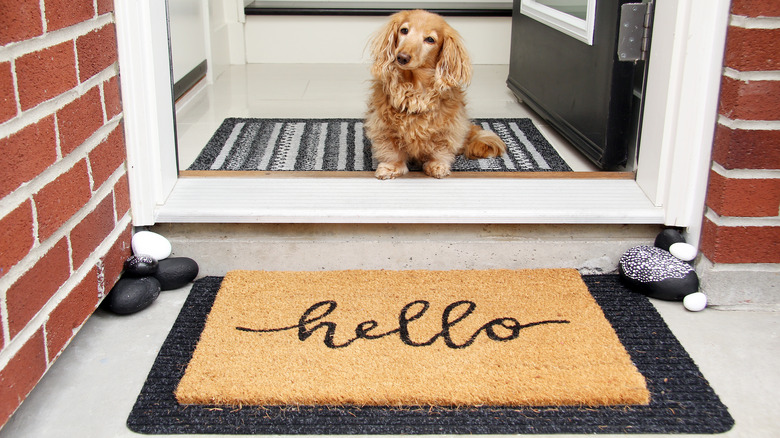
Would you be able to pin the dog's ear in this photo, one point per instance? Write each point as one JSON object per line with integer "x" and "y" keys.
{"x": 454, "y": 66}
{"x": 383, "y": 45}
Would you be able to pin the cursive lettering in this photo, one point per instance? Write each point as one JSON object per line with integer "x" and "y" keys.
{"x": 313, "y": 320}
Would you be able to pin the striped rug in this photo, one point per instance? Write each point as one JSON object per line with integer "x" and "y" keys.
{"x": 341, "y": 145}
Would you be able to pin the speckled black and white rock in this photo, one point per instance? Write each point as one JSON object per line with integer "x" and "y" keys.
{"x": 131, "y": 295}
{"x": 657, "y": 274}
{"x": 175, "y": 272}
{"x": 140, "y": 266}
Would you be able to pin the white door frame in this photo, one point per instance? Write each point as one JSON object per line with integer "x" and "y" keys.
{"x": 680, "y": 113}
{"x": 147, "y": 102}
{"x": 681, "y": 106}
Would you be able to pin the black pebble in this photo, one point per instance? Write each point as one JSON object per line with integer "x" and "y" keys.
{"x": 667, "y": 238}
{"x": 657, "y": 274}
{"x": 140, "y": 266}
{"x": 130, "y": 295}
{"x": 176, "y": 272}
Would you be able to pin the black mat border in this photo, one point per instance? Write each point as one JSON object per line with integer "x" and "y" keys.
{"x": 682, "y": 400}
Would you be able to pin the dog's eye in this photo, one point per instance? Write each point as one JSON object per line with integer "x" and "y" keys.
{"x": 430, "y": 40}
{"x": 404, "y": 31}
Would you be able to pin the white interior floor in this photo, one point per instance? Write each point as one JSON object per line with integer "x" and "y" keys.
{"x": 325, "y": 91}
{"x": 91, "y": 388}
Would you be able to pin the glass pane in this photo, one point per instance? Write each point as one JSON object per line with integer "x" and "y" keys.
{"x": 576, "y": 8}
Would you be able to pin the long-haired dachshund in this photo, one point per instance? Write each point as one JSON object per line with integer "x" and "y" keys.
{"x": 417, "y": 110}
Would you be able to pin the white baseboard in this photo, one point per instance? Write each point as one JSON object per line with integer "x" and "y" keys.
{"x": 344, "y": 40}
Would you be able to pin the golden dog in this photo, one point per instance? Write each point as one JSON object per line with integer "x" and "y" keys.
{"x": 417, "y": 110}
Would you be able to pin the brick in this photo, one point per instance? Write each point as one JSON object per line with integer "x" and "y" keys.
{"x": 107, "y": 157}
{"x": 122, "y": 196}
{"x": 90, "y": 232}
{"x": 71, "y": 313}
{"x": 28, "y": 152}
{"x": 749, "y": 100}
{"x": 112, "y": 97}
{"x": 96, "y": 51}
{"x": 45, "y": 74}
{"x": 743, "y": 197}
{"x": 756, "y": 8}
{"x": 736, "y": 245}
{"x": 16, "y": 236}
{"x": 114, "y": 259}
{"x": 20, "y": 21}
{"x": 105, "y": 6}
{"x": 7, "y": 95}
{"x": 64, "y": 13}
{"x": 27, "y": 296}
{"x": 752, "y": 49}
{"x": 746, "y": 149}
{"x": 59, "y": 200}
{"x": 79, "y": 119}
{"x": 21, "y": 374}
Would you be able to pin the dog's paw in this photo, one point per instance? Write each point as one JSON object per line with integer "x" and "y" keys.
{"x": 390, "y": 171}
{"x": 436, "y": 169}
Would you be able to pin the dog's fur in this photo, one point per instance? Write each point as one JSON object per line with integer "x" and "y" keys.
{"x": 417, "y": 111}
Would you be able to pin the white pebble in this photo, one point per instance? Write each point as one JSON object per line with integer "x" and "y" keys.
{"x": 683, "y": 251}
{"x": 151, "y": 244}
{"x": 695, "y": 302}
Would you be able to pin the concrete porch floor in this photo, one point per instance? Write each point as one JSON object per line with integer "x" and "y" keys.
{"x": 91, "y": 388}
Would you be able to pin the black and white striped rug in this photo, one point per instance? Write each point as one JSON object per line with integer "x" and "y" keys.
{"x": 340, "y": 145}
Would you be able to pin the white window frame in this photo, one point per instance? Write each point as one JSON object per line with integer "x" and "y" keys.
{"x": 674, "y": 159}
{"x": 577, "y": 28}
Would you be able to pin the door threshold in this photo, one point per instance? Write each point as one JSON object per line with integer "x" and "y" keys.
{"x": 410, "y": 199}
{"x": 370, "y": 174}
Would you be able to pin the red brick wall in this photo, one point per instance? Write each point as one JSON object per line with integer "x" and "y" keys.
{"x": 65, "y": 211}
{"x": 742, "y": 223}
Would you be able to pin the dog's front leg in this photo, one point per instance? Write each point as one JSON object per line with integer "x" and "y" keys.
{"x": 392, "y": 162}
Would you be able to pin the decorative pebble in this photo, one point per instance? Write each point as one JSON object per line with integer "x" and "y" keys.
{"x": 130, "y": 295}
{"x": 151, "y": 244}
{"x": 140, "y": 266}
{"x": 667, "y": 237}
{"x": 695, "y": 302}
{"x": 657, "y": 273}
{"x": 683, "y": 251}
{"x": 175, "y": 272}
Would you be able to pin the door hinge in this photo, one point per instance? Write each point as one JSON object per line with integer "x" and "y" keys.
{"x": 634, "y": 35}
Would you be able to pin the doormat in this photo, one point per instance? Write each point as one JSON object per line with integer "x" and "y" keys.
{"x": 451, "y": 338}
{"x": 340, "y": 145}
{"x": 681, "y": 401}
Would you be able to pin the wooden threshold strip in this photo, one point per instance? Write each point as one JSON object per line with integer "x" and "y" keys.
{"x": 370, "y": 174}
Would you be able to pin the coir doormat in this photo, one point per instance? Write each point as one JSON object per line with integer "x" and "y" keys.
{"x": 452, "y": 338}
{"x": 340, "y": 145}
{"x": 680, "y": 399}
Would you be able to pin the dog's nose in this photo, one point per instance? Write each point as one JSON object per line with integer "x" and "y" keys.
{"x": 403, "y": 58}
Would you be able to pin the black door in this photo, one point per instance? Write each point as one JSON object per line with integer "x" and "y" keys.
{"x": 584, "y": 91}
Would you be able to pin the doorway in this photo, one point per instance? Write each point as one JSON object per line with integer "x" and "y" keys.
{"x": 329, "y": 91}
{"x": 278, "y": 83}
{"x": 670, "y": 181}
